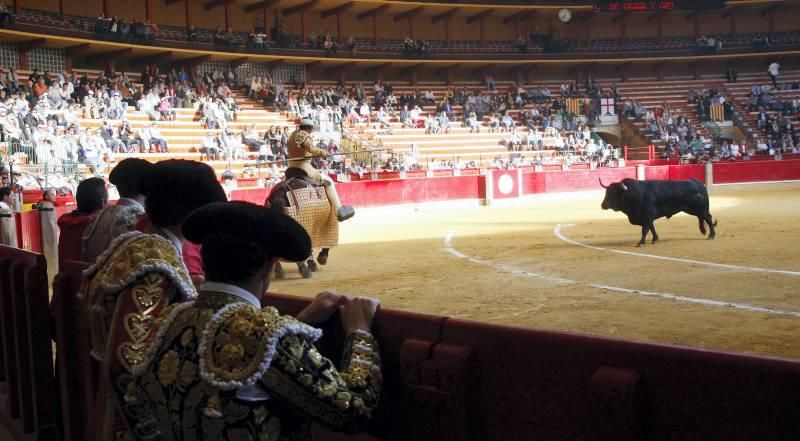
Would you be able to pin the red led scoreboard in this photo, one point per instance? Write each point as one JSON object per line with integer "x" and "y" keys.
{"x": 656, "y": 5}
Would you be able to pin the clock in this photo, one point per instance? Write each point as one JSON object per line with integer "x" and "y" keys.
{"x": 565, "y": 15}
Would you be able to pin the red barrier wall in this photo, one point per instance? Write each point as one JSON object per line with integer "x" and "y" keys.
{"x": 749, "y": 171}
{"x": 254, "y": 195}
{"x": 29, "y": 231}
{"x": 409, "y": 191}
{"x": 659, "y": 172}
{"x": 687, "y": 171}
{"x": 416, "y": 189}
{"x": 573, "y": 180}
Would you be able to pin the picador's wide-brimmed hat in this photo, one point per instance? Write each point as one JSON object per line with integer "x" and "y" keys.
{"x": 306, "y": 122}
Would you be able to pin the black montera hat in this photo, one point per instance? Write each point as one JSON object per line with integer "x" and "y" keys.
{"x": 128, "y": 172}
{"x": 176, "y": 187}
{"x": 276, "y": 233}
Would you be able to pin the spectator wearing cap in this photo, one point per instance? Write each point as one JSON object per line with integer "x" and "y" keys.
{"x": 9, "y": 127}
{"x": 115, "y": 220}
{"x": 301, "y": 149}
{"x": 240, "y": 244}
{"x": 148, "y": 262}
{"x": 91, "y": 197}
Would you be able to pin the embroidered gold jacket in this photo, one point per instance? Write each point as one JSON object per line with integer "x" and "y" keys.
{"x": 221, "y": 369}
{"x": 110, "y": 223}
{"x": 128, "y": 290}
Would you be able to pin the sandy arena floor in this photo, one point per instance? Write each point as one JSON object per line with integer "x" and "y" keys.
{"x": 559, "y": 262}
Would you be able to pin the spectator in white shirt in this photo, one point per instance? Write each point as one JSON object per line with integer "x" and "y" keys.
{"x": 383, "y": 118}
{"x": 210, "y": 147}
{"x": 93, "y": 150}
{"x": 774, "y": 71}
{"x": 231, "y": 145}
{"x": 157, "y": 139}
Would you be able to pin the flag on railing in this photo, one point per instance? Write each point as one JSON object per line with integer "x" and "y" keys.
{"x": 575, "y": 105}
{"x": 607, "y": 106}
{"x": 717, "y": 112}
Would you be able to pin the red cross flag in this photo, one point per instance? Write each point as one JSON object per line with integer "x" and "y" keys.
{"x": 607, "y": 106}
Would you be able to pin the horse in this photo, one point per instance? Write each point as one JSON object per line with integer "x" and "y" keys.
{"x": 307, "y": 203}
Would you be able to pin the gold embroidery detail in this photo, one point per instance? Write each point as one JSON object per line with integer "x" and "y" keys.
{"x": 187, "y": 337}
{"x": 138, "y": 326}
{"x": 239, "y": 341}
{"x": 130, "y": 257}
{"x": 148, "y": 292}
{"x": 188, "y": 373}
{"x": 213, "y": 407}
{"x": 141, "y": 250}
{"x": 130, "y": 354}
{"x": 168, "y": 368}
{"x": 342, "y": 400}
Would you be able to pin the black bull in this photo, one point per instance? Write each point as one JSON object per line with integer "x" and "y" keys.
{"x": 646, "y": 201}
{"x": 278, "y": 200}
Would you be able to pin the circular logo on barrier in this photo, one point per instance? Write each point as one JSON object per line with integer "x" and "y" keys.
{"x": 505, "y": 184}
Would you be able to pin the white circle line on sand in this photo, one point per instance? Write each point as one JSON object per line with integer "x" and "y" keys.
{"x": 558, "y": 234}
{"x": 448, "y": 247}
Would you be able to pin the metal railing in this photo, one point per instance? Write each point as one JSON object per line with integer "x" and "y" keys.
{"x": 365, "y": 148}
{"x": 42, "y": 165}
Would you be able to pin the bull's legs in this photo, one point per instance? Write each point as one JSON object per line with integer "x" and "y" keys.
{"x": 702, "y": 225}
{"x": 653, "y": 230}
{"x": 710, "y": 223}
{"x": 312, "y": 266}
{"x": 645, "y": 229}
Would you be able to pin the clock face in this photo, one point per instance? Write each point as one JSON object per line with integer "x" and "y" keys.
{"x": 565, "y": 15}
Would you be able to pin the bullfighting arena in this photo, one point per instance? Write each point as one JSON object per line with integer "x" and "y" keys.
{"x": 559, "y": 262}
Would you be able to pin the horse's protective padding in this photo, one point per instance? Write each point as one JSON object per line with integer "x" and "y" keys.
{"x": 310, "y": 207}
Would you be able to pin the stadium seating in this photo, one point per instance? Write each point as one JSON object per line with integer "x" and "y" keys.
{"x": 740, "y": 91}
{"x": 177, "y": 35}
{"x": 185, "y": 134}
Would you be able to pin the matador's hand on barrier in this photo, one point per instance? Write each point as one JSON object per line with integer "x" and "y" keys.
{"x": 324, "y": 305}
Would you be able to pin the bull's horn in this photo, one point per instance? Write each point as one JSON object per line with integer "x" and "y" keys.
{"x": 601, "y": 182}
{"x": 624, "y": 188}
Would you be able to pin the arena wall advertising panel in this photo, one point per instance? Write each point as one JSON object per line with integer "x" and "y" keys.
{"x": 505, "y": 184}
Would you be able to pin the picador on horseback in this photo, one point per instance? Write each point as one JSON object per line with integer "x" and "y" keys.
{"x": 301, "y": 145}
{"x": 310, "y": 198}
